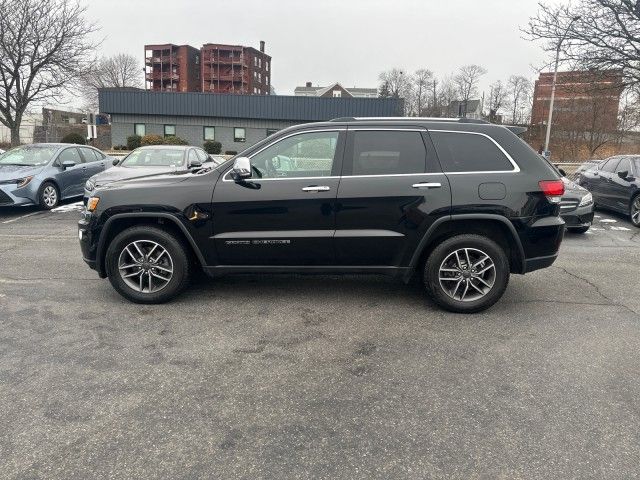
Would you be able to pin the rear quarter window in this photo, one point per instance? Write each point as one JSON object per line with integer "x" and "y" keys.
{"x": 469, "y": 152}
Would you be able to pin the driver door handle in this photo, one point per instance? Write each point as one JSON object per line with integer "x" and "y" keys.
{"x": 316, "y": 188}
{"x": 426, "y": 185}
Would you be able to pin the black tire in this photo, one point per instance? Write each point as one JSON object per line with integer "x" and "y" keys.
{"x": 632, "y": 210}
{"x": 477, "y": 243}
{"x": 48, "y": 196}
{"x": 178, "y": 254}
{"x": 579, "y": 229}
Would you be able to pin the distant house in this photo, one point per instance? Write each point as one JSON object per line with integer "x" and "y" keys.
{"x": 335, "y": 90}
{"x": 457, "y": 108}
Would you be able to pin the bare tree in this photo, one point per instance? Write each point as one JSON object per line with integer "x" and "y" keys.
{"x": 497, "y": 99}
{"x": 44, "y": 48}
{"x": 466, "y": 82}
{"x": 446, "y": 93}
{"x": 519, "y": 91}
{"x": 422, "y": 79}
{"x": 592, "y": 34}
{"x": 397, "y": 82}
{"x": 118, "y": 71}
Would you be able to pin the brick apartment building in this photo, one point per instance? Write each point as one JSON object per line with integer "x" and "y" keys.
{"x": 172, "y": 68}
{"x": 584, "y": 100}
{"x": 235, "y": 69}
{"x": 214, "y": 68}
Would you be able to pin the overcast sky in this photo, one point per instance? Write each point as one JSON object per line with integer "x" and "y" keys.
{"x": 324, "y": 41}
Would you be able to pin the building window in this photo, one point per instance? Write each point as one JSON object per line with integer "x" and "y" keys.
{"x": 271, "y": 131}
{"x": 140, "y": 129}
{"x": 209, "y": 133}
{"x": 239, "y": 135}
{"x": 266, "y": 66}
{"x": 169, "y": 130}
{"x": 337, "y": 93}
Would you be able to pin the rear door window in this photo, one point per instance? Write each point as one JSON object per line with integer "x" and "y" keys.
{"x": 387, "y": 152}
{"x": 610, "y": 165}
{"x": 469, "y": 152}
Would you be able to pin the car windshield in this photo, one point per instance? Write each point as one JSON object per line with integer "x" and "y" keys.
{"x": 154, "y": 157}
{"x": 28, "y": 155}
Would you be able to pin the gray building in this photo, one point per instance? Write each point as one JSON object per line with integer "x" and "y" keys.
{"x": 236, "y": 121}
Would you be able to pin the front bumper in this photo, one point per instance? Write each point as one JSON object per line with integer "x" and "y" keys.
{"x": 10, "y": 195}
{"x": 88, "y": 245}
{"x": 579, "y": 217}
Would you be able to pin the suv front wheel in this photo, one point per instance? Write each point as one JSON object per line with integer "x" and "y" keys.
{"x": 147, "y": 265}
{"x": 466, "y": 273}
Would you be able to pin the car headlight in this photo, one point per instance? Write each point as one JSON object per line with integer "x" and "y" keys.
{"x": 22, "y": 182}
{"x": 586, "y": 200}
{"x": 89, "y": 185}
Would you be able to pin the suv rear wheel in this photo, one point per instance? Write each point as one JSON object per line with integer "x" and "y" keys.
{"x": 147, "y": 265}
{"x": 466, "y": 273}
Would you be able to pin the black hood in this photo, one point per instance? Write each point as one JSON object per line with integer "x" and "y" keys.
{"x": 115, "y": 174}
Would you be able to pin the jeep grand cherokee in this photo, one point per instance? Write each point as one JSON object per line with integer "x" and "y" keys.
{"x": 462, "y": 203}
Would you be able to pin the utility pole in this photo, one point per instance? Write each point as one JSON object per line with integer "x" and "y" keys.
{"x": 553, "y": 85}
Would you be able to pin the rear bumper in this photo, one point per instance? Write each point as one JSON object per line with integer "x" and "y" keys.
{"x": 541, "y": 239}
{"x": 531, "y": 264}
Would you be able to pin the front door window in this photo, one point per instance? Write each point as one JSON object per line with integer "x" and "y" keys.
{"x": 305, "y": 155}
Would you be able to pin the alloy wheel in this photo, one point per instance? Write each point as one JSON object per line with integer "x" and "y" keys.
{"x": 635, "y": 211}
{"x": 145, "y": 266}
{"x": 50, "y": 196}
{"x": 467, "y": 274}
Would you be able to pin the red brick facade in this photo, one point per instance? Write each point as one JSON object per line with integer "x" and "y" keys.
{"x": 582, "y": 100}
{"x": 215, "y": 68}
{"x": 173, "y": 68}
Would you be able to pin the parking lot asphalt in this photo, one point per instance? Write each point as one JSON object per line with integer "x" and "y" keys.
{"x": 327, "y": 377}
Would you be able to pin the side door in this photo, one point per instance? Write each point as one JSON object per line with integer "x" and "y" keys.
{"x": 284, "y": 215}
{"x": 70, "y": 180}
{"x": 603, "y": 191}
{"x": 391, "y": 191}
{"x": 94, "y": 162}
{"x": 621, "y": 186}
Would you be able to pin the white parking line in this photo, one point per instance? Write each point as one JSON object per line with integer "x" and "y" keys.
{"x": 20, "y": 218}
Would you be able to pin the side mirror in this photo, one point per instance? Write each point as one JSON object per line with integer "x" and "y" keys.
{"x": 623, "y": 175}
{"x": 241, "y": 169}
{"x": 115, "y": 161}
{"x": 562, "y": 172}
{"x": 195, "y": 164}
{"x": 68, "y": 164}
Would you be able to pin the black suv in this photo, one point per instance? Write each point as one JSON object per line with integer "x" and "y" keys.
{"x": 461, "y": 202}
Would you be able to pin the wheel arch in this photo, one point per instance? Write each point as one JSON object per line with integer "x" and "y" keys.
{"x": 120, "y": 222}
{"x": 495, "y": 227}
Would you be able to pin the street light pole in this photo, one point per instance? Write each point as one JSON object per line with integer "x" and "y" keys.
{"x": 553, "y": 84}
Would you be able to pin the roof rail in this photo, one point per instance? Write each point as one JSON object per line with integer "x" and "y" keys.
{"x": 400, "y": 119}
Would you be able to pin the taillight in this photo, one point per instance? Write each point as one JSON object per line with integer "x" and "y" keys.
{"x": 552, "y": 189}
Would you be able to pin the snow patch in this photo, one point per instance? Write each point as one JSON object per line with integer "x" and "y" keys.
{"x": 71, "y": 207}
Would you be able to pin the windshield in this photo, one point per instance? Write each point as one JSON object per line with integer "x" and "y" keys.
{"x": 154, "y": 157}
{"x": 28, "y": 155}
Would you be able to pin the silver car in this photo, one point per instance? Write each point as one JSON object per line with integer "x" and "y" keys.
{"x": 45, "y": 173}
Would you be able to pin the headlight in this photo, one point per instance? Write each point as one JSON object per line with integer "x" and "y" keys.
{"x": 586, "y": 200}
{"x": 21, "y": 182}
{"x": 89, "y": 185}
{"x": 92, "y": 203}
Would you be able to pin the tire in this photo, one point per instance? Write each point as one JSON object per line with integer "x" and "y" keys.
{"x": 479, "y": 295}
{"x": 579, "y": 229}
{"x": 48, "y": 196}
{"x": 634, "y": 210}
{"x": 160, "y": 286}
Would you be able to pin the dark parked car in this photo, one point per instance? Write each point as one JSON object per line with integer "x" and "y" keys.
{"x": 615, "y": 185}
{"x": 45, "y": 173}
{"x": 152, "y": 160}
{"x": 463, "y": 203}
{"x": 576, "y": 207}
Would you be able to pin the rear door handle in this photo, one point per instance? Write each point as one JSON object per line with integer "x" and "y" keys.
{"x": 316, "y": 188}
{"x": 426, "y": 185}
